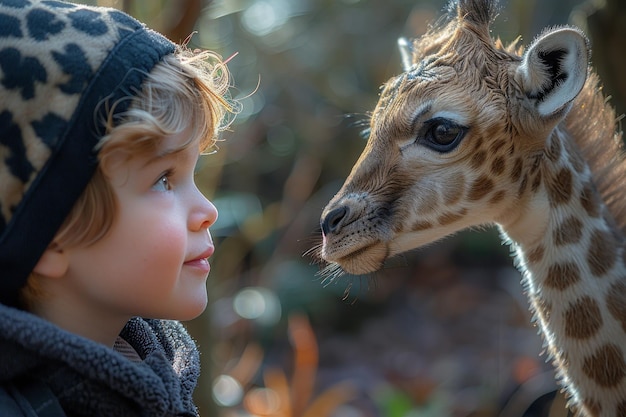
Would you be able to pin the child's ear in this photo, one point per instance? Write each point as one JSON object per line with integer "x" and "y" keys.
{"x": 53, "y": 263}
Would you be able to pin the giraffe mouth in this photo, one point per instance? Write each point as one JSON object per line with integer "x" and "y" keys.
{"x": 364, "y": 260}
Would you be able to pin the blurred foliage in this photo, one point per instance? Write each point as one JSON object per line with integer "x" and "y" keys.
{"x": 282, "y": 397}
{"x": 443, "y": 331}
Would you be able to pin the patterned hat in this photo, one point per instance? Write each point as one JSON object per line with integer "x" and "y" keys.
{"x": 58, "y": 62}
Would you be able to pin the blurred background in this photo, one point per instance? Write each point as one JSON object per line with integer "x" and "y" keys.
{"x": 442, "y": 331}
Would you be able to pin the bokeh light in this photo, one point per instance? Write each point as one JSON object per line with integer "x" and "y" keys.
{"x": 259, "y": 304}
{"x": 227, "y": 391}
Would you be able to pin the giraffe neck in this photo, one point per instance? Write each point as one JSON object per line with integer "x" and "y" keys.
{"x": 572, "y": 259}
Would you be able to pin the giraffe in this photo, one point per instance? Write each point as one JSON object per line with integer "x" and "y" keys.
{"x": 475, "y": 133}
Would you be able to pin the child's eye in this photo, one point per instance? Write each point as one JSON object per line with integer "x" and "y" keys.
{"x": 163, "y": 183}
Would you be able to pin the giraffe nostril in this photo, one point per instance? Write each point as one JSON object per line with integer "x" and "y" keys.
{"x": 333, "y": 220}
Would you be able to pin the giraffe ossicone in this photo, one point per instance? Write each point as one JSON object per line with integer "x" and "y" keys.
{"x": 476, "y": 133}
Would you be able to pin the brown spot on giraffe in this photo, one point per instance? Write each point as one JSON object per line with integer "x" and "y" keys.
{"x": 554, "y": 150}
{"x": 480, "y": 188}
{"x": 498, "y": 165}
{"x": 478, "y": 159}
{"x": 536, "y": 255}
{"x": 497, "y": 145}
{"x": 522, "y": 186}
{"x": 449, "y": 218}
{"x": 536, "y": 181}
{"x": 511, "y": 148}
{"x": 602, "y": 252}
{"x": 562, "y": 275}
{"x": 452, "y": 197}
{"x": 583, "y": 318}
{"x": 560, "y": 187}
{"x": 590, "y": 200}
{"x": 568, "y": 232}
{"x": 497, "y": 197}
{"x": 516, "y": 171}
{"x": 478, "y": 144}
{"x": 593, "y": 407}
{"x": 606, "y": 366}
{"x": 616, "y": 302}
{"x": 421, "y": 226}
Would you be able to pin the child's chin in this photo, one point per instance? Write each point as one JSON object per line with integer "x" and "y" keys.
{"x": 194, "y": 308}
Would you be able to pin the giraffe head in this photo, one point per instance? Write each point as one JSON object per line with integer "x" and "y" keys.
{"x": 455, "y": 140}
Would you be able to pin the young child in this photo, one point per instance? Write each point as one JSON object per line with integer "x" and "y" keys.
{"x": 104, "y": 235}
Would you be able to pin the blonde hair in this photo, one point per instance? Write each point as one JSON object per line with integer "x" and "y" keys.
{"x": 186, "y": 90}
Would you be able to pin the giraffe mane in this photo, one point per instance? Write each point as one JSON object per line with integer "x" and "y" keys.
{"x": 600, "y": 144}
{"x": 472, "y": 15}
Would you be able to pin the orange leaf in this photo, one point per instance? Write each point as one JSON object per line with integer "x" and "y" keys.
{"x": 330, "y": 399}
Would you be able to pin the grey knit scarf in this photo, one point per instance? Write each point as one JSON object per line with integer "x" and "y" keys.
{"x": 91, "y": 379}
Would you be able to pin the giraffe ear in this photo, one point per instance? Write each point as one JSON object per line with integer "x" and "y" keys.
{"x": 406, "y": 53}
{"x": 554, "y": 70}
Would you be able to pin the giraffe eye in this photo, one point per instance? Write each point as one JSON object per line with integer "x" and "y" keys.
{"x": 442, "y": 135}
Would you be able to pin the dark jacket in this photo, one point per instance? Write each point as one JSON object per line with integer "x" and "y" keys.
{"x": 90, "y": 379}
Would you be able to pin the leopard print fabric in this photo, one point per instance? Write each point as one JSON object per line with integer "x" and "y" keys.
{"x": 58, "y": 62}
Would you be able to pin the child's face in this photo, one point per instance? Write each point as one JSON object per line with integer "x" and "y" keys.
{"x": 153, "y": 262}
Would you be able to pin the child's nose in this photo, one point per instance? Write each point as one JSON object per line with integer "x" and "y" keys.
{"x": 204, "y": 213}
